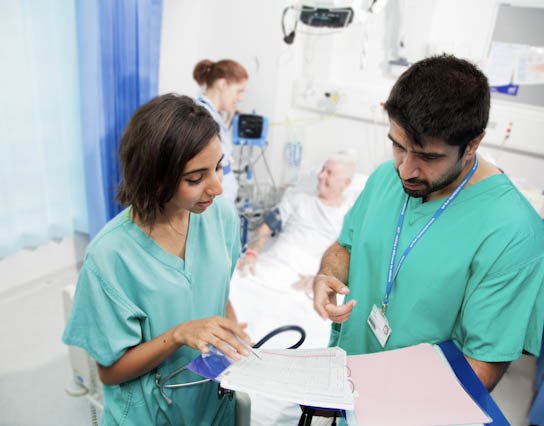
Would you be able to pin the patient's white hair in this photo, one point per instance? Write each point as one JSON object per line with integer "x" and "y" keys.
{"x": 347, "y": 159}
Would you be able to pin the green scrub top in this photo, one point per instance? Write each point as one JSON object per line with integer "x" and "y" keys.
{"x": 476, "y": 276}
{"x": 130, "y": 290}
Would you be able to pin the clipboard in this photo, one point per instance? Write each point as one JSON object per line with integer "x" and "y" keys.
{"x": 470, "y": 386}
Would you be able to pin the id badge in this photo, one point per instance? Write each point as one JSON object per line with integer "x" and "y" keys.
{"x": 379, "y": 325}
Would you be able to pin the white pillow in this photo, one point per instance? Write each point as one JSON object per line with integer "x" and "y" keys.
{"x": 307, "y": 183}
{"x": 356, "y": 186}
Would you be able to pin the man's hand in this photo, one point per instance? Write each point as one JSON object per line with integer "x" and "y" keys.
{"x": 248, "y": 261}
{"x": 326, "y": 288}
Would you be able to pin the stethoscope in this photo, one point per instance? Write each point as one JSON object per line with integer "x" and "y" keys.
{"x": 161, "y": 382}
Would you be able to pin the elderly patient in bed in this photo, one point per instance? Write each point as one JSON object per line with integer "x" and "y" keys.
{"x": 271, "y": 286}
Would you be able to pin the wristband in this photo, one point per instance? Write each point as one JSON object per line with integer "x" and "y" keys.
{"x": 250, "y": 252}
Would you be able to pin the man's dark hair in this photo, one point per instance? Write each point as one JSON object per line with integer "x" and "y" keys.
{"x": 441, "y": 97}
{"x": 162, "y": 136}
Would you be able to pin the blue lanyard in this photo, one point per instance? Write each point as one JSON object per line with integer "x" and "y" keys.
{"x": 390, "y": 276}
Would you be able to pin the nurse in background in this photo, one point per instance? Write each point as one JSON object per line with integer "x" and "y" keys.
{"x": 223, "y": 84}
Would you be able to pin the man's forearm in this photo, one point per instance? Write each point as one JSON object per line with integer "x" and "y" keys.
{"x": 335, "y": 262}
{"x": 489, "y": 373}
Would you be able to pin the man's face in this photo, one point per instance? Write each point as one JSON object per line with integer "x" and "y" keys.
{"x": 425, "y": 170}
{"x": 332, "y": 180}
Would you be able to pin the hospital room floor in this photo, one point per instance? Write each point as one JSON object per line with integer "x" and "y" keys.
{"x": 34, "y": 365}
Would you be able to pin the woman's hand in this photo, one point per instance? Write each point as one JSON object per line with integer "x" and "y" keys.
{"x": 226, "y": 335}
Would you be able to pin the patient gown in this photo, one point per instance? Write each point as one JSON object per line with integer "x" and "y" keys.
{"x": 309, "y": 228}
{"x": 130, "y": 291}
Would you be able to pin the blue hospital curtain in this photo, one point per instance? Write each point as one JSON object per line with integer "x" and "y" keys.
{"x": 119, "y": 44}
{"x": 41, "y": 180}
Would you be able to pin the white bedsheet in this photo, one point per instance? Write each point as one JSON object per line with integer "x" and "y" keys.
{"x": 267, "y": 300}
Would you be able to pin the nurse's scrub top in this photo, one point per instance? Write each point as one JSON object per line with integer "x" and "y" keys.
{"x": 476, "y": 276}
{"x": 130, "y": 290}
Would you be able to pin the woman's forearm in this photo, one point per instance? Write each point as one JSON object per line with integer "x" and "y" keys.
{"x": 139, "y": 360}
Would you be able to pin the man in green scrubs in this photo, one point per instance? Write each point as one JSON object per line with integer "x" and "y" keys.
{"x": 440, "y": 244}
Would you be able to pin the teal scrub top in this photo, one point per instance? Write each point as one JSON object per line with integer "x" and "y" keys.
{"x": 476, "y": 276}
{"x": 130, "y": 290}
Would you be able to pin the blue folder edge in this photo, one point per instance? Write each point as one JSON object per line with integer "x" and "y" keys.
{"x": 471, "y": 383}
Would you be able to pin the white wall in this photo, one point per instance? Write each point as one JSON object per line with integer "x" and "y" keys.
{"x": 250, "y": 31}
{"x": 246, "y": 31}
{"x": 27, "y": 269}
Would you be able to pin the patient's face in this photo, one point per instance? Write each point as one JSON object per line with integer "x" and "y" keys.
{"x": 332, "y": 180}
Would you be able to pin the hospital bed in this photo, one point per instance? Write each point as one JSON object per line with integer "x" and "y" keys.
{"x": 267, "y": 300}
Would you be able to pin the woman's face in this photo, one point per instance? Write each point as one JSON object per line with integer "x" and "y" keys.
{"x": 231, "y": 94}
{"x": 201, "y": 179}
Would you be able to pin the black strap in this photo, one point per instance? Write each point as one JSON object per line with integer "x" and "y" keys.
{"x": 306, "y": 417}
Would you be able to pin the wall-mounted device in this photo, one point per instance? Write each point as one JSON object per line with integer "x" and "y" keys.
{"x": 316, "y": 14}
{"x": 326, "y": 17}
{"x": 249, "y": 129}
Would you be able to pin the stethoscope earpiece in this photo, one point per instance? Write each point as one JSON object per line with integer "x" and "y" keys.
{"x": 289, "y": 38}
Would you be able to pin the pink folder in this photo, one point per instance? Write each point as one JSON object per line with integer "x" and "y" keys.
{"x": 410, "y": 386}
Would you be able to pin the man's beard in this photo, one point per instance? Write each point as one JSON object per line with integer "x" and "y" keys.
{"x": 428, "y": 188}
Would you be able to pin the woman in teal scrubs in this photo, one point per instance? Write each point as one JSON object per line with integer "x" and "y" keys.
{"x": 153, "y": 290}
